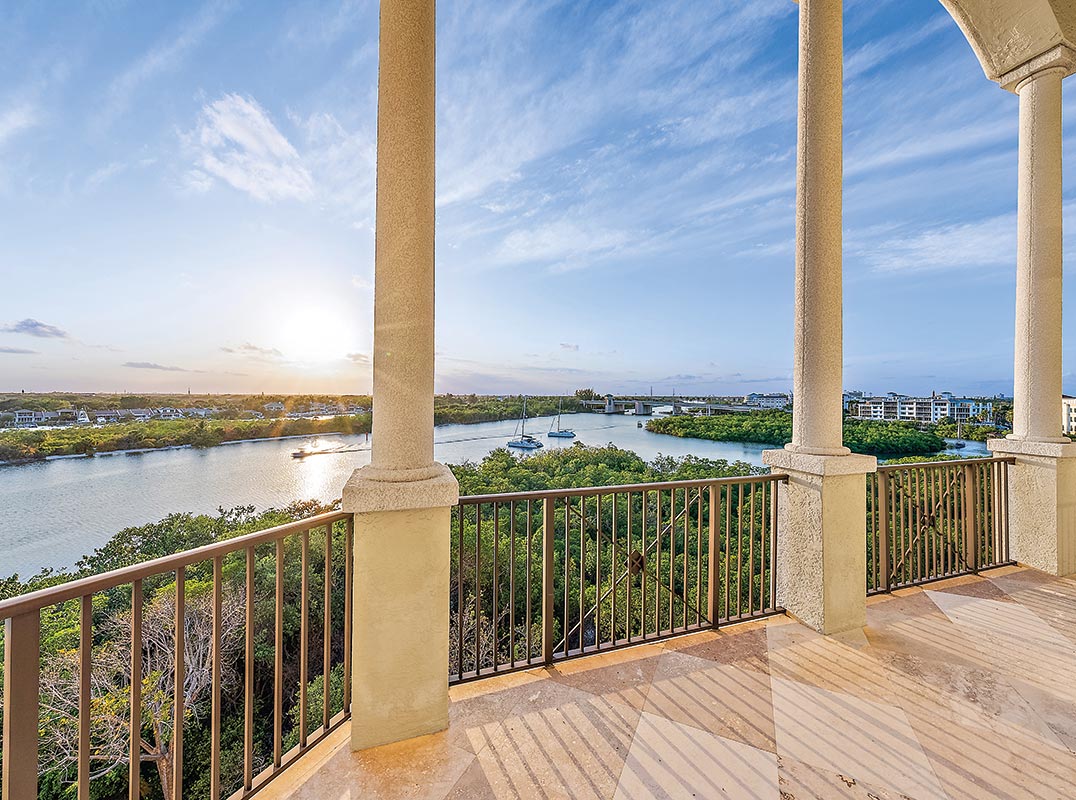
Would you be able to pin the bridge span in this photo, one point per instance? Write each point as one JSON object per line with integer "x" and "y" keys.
{"x": 644, "y": 406}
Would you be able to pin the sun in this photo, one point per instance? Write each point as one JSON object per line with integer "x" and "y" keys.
{"x": 313, "y": 335}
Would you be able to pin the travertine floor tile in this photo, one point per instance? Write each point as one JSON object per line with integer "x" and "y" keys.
{"x": 721, "y": 699}
{"x": 670, "y": 760}
{"x": 743, "y": 646}
{"x": 424, "y": 768}
{"x": 559, "y": 742}
{"x": 799, "y": 781}
{"x": 864, "y": 740}
{"x": 620, "y": 675}
{"x": 799, "y": 654}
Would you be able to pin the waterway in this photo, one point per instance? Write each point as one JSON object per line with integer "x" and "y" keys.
{"x": 54, "y": 512}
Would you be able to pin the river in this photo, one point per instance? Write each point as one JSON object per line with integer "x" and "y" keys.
{"x": 54, "y": 512}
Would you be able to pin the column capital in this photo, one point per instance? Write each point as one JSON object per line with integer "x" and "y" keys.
{"x": 823, "y": 465}
{"x": 370, "y": 489}
{"x": 1060, "y": 58}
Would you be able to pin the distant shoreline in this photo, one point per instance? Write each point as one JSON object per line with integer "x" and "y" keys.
{"x": 137, "y": 450}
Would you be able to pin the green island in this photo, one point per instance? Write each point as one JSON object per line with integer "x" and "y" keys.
{"x": 498, "y": 472}
{"x": 30, "y": 444}
{"x": 775, "y": 428}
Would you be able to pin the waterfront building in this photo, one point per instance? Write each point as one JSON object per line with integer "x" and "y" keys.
{"x": 770, "y": 400}
{"x": 1068, "y": 413}
{"x": 902, "y": 408}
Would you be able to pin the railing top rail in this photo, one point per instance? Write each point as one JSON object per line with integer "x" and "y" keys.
{"x": 35, "y": 601}
{"x": 590, "y": 491}
{"x": 956, "y": 462}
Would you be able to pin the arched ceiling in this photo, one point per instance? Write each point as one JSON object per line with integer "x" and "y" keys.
{"x": 1008, "y": 34}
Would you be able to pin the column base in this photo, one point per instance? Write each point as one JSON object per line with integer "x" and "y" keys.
{"x": 400, "y": 623}
{"x": 1042, "y": 503}
{"x": 822, "y": 538}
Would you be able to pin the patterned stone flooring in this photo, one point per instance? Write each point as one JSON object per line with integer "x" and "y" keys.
{"x": 961, "y": 689}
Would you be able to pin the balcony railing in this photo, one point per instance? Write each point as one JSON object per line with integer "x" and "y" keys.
{"x": 538, "y": 577}
{"x": 936, "y": 520}
{"x": 260, "y": 626}
{"x": 221, "y": 616}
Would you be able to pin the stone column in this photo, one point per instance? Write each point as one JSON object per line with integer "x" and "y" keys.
{"x": 402, "y": 501}
{"x": 1042, "y": 483}
{"x": 821, "y": 547}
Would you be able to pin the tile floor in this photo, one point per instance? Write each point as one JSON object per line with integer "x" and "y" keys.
{"x": 961, "y": 689}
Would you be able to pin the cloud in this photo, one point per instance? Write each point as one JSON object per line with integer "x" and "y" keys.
{"x": 152, "y": 365}
{"x": 16, "y": 120}
{"x": 17, "y": 351}
{"x": 987, "y": 243}
{"x": 33, "y": 327}
{"x": 235, "y": 141}
{"x": 568, "y": 346}
{"x": 162, "y": 58}
{"x": 255, "y": 352}
{"x": 359, "y": 358}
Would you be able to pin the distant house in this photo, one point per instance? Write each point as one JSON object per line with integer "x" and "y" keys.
{"x": 140, "y": 414}
{"x": 203, "y": 413}
{"x": 168, "y": 413}
{"x": 77, "y": 416}
{"x": 275, "y": 406}
{"x": 25, "y": 418}
{"x": 106, "y": 417}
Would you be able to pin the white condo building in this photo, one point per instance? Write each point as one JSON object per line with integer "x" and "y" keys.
{"x": 898, "y": 407}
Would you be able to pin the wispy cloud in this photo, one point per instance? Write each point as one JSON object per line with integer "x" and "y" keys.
{"x": 162, "y": 58}
{"x": 154, "y": 366}
{"x": 17, "y": 351}
{"x": 14, "y": 121}
{"x": 235, "y": 141}
{"x": 568, "y": 346}
{"x": 974, "y": 245}
{"x": 33, "y": 327}
{"x": 255, "y": 352}
{"x": 359, "y": 358}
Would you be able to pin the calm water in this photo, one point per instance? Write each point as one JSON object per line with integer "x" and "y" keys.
{"x": 56, "y": 511}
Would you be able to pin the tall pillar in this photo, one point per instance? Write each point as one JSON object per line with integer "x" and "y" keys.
{"x": 1042, "y": 483}
{"x": 821, "y": 547}
{"x": 402, "y": 501}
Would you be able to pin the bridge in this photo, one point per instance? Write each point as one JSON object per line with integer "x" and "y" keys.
{"x": 644, "y": 406}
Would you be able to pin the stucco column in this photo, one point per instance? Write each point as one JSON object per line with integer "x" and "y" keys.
{"x": 1037, "y": 389}
{"x": 817, "y": 356}
{"x": 821, "y": 539}
{"x": 402, "y": 501}
{"x": 1042, "y": 482}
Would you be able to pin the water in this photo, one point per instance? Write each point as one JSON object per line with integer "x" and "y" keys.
{"x": 57, "y": 511}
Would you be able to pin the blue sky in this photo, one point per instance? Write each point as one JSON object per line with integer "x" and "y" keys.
{"x": 186, "y": 196}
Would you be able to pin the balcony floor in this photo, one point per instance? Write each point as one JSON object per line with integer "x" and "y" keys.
{"x": 961, "y": 689}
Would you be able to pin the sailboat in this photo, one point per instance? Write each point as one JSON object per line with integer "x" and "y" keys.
{"x": 560, "y": 433}
{"x": 524, "y": 442}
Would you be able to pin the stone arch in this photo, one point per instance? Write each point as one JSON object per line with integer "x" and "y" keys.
{"x": 1013, "y": 38}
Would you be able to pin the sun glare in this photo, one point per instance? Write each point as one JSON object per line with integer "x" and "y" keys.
{"x": 312, "y": 335}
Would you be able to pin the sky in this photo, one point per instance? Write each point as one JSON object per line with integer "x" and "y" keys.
{"x": 187, "y": 197}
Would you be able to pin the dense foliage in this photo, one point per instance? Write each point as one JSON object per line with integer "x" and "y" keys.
{"x": 775, "y": 428}
{"x": 27, "y": 444}
{"x": 500, "y": 471}
{"x": 37, "y": 443}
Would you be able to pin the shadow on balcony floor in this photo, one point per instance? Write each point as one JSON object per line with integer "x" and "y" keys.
{"x": 960, "y": 689}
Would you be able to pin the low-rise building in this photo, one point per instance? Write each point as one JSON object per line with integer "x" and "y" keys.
{"x": 939, "y": 406}
{"x": 24, "y": 418}
{"x": 770, "y": 400}
{"x": 1068, "y": 413}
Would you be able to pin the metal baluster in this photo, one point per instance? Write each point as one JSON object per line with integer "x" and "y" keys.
{"x": 134, "y": 753}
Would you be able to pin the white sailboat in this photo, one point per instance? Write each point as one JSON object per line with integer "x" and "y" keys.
{"x": 524, "y": 442}
{"x": 560, "y": 433}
